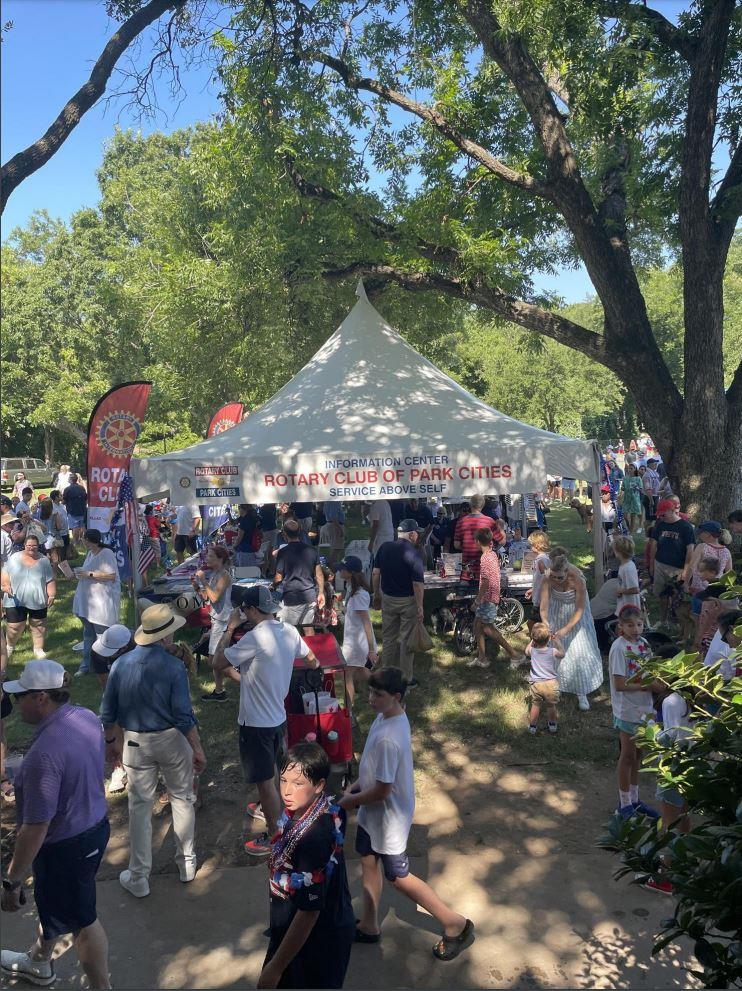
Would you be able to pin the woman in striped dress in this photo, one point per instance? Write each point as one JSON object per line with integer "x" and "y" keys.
{"x": 565, "y": 608}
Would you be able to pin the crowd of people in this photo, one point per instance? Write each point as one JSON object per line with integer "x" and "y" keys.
{"x": 147, "y": 731}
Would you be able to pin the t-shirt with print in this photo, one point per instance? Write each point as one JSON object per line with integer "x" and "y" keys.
{"x": 387, "y": 757}
{"x": 265, "y": 659}
{"x": 489, "y": 569}
{"x": 328, "y": 893}
{"x": 628, "y": 577}
{"x": 673, "y": 541}
{"x": 297, "y": 562}
{"x": 355, "y": 641}
{"x": 75, "y": 499}
{"x": 543, "y": 664}
{"x": 625, "y": 659}
{"x": 381, "y": 511}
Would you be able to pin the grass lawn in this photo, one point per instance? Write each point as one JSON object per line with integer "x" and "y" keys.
{"x": 485, "y": 710}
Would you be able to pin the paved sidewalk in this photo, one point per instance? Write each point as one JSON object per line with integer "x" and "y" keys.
{"x": 539, "y": 924}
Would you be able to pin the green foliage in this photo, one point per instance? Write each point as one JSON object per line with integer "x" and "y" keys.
{"x": 704, "y": 865}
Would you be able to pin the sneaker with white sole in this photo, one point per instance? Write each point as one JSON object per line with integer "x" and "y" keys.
{"x": 582, "y": 703}
{"x": 259, "y": 846}
{"x": 255, "y": 811}
{"x": 139, "y": 887}
{"x": 21, "y": 965}
{"x": 118, "y": 780}
{"x": 187, "y": 872}
{"x": 552, "y": 727}
{"x": 476, "y": 663}
{"x": 78, "y": 647}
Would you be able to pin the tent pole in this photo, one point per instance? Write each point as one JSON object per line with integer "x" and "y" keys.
{"x": 597, "y": 537}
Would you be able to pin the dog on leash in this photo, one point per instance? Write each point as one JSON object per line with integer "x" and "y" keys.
{"x": 585, "y": 513}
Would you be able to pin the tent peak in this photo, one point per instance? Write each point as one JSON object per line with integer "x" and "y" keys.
{"x": 361, "y": 290}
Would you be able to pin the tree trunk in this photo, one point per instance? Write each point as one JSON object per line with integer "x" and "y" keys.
{"x": 48, "y": 444}
{"x": 704, "y": 468}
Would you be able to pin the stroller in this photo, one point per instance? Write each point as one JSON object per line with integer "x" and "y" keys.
{"x": 310, "y": 692}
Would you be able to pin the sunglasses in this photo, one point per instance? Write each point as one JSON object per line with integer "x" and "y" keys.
{"x": 18, "y": 696}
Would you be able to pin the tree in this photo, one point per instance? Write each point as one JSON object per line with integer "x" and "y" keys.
{"x": 26, "y": 162}
{"x": 515, "y": 137}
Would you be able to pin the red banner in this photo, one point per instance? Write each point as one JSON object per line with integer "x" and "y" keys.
{"x": 114, "y": 427}
{"x": 225, "y": 418}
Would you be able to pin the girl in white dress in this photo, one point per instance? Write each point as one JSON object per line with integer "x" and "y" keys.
{"x": 359, "y": 642}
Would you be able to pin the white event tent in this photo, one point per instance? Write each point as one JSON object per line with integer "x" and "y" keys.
{"x": 367, "y": 417}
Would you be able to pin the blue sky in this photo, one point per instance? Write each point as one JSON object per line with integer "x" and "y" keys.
{"x": 48, "y": 54}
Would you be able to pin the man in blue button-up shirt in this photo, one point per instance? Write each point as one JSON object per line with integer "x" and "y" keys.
{"x": 149, "y": 722}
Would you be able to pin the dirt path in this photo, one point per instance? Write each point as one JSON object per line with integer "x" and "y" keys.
{"x": 511, "y": 847}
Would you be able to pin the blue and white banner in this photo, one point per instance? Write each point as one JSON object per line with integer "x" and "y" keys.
{"x": 212, "y": 518}
{"x": 120, "y": 548}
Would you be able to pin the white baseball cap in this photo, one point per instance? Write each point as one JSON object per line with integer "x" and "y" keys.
{"x": 111, "y": 640}
{"x": 38, "y": 676}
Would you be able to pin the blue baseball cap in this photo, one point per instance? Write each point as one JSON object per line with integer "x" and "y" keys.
{"x": 710, "y": 526}
{"x": 350, "y": 563}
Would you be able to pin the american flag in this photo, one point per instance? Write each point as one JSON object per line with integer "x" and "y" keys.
{"x": 127, "y": 508}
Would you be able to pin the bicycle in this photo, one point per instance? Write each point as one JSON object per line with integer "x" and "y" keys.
{"x": 510, "y": 616}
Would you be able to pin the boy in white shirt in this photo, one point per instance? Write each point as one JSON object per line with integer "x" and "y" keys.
{"x": 631, "y": 699}
{"x": 545, "y": 652}
{"x": 628, "y": 577}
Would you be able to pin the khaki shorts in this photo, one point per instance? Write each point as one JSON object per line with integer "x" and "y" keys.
{"x": 545, "y": 692}
{"x": 662, "y": 575}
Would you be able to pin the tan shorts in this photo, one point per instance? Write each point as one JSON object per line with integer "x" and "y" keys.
{"x": 662, "y": 575}
{"x": 545, "y": 692}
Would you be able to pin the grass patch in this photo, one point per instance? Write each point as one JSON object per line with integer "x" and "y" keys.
{"x": 483, "y": 709}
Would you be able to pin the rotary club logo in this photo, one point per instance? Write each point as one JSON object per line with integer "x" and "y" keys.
{"x": 221, "y": 425}
{"x": 118, "y": 432}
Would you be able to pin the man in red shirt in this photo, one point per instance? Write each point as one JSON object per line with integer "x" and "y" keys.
{"x": 465, "y": 535}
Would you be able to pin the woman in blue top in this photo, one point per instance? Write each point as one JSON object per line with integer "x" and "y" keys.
{"x": 29, "y": 587}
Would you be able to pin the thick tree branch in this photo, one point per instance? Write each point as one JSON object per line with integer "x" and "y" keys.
{"x": 726, "y": 205}
{"x": 376, "y": 225}
{"x": 527, "y": 315}
{"x": 26, "y": 162}
{"x": 433, "y": 117}
{"x": 68, "y": 427}
{"x": 662, "y": 29}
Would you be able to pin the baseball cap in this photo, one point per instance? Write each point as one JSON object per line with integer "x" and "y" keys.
{"x": 292, "y": 527}
{"x": 111, "y": 640}
{"x": 350, "y": 563}
{"x": 710, "y": 526}
{"x": 409, "y": 526}
{"x": 652, "y": 461}
{"x": 260, "y": 598}
{"x": 38, "y": 676}
{"x": 605, "y": 488}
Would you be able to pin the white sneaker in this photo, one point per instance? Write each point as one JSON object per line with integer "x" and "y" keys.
{"x": 476, "y": 663}
{"x": 582, "y": 703}
{"x": 515, "y": 662}
{"x": 39, "y": 654}
{"x": 139, "y": 887}
{"x": 21, "y": 965}
{"x": 118, "y": 780}
{"x": 187, "y": 872}
{"x": 79, "y": 646}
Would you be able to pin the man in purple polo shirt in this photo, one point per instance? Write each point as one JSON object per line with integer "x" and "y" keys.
{"x": 62, "y": 827}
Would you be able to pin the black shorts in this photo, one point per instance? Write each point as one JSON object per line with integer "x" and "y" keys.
{"x": 19, "y": 614}
{"x": 181, "y": 543}
{"x": 395, "y": 864}
{"x": 64, "y": 881}
{"x": 260, "y": 748}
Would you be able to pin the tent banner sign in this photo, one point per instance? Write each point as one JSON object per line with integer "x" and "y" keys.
{"x": 225, "y": 418}
{"x": 386, "y": 477}
{"x": 113, "y": 430}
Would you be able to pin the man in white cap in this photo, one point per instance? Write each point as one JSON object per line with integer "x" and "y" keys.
{"x": 109, "y": 646}
{"x": 63, "y": 829}
{"x": 147, "y": 702}
{"x": 262, "y": 662}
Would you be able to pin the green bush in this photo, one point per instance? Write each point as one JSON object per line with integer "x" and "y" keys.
{"x": 705, "y": 865}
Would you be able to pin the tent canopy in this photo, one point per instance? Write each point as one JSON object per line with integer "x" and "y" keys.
{"x": 366, "y": 418}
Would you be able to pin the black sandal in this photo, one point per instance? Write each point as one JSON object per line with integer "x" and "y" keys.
{"x": 449, "y": 947}
{"x": 362, "y": 937}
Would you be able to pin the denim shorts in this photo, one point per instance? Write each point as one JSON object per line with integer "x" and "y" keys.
{"x": 625, "y": 726}
{"x": 669, "y": 795}
{"x": 487, "y": 612}
{"x": 75, "y": 522}
{"x": 395, "y": 864}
